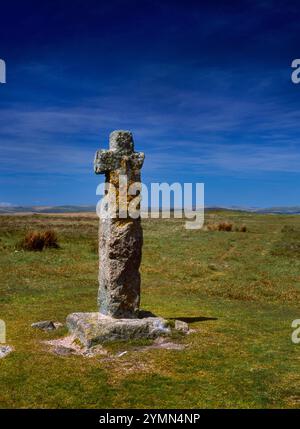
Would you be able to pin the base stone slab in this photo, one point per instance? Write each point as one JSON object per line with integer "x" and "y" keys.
{"x": 95, "y": 328}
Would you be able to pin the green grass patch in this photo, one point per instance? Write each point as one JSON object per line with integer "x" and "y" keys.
{"x": 238, "y": 291}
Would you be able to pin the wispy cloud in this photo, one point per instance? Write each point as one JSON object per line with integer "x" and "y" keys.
{"x": 231, "y": 158}
{"x": 222, "y": 133}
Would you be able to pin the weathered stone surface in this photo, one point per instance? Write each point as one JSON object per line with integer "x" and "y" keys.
{"x": 107, "y": 160}
{"x": 121, "y": 141}
{"x": 120, "y": 252}
{"x": 165, "y": 343}
{"x": 119, "y": 277}
{"x": 120, "y": 237}
{"x": 121, "y": 152}
{"x": 58, "y": 325}
{"x": 4, "y": 351}
{"x": 96, "y": 328}
{"x": 44, "y": 325}
{"x": 63, "y": 351}
{"x": 68, "y": 346}
{"x": 181, "y": 326}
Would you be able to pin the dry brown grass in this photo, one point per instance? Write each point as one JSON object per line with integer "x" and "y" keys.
{"x": 221, "y": 226}
{"x": 225, "y": 226}
{"x": 37, "y": 241}
{"x": 50, "y": 239}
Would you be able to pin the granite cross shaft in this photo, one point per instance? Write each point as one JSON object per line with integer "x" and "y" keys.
{"x": 120, "y": 252}
{"x": 120, "y": 237}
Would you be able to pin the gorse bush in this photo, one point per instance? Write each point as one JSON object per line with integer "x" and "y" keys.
{"x": 32, "y": 241}
{"x": 50, "y": 239}
{"x": 37, "y": 241}
{"x": 224, "y": 226}
{"x": 221, "y": 226}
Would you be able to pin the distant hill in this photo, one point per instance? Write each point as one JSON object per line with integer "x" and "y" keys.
{"x": 48, "y": 209}
{"x": 91, "y": 208}
{"x": 267, "y": 210}
{"x": 280, "y": 210}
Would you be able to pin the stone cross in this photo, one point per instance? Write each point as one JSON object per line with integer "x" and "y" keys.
{"x": 120, "y": 252}
{"x": 120, "y": 238}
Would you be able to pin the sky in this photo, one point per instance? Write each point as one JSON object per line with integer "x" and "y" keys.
{"x": 205, "y": 87}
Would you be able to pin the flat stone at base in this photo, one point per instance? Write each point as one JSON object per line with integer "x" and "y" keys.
{"x": 96, "y": 328}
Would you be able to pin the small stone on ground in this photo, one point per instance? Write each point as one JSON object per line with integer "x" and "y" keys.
{"x": 44, "y": 325}
{"x": 4, "y": 351}
{"x": 181, "y": 326}
{"x": 67, "y": 346}
{"x": 164, "y": 343}
{"x": 47, "y": 325}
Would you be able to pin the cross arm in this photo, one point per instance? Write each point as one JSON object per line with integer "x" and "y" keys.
{"x": 105, "y": 160}
{"x": 109, "y": 160}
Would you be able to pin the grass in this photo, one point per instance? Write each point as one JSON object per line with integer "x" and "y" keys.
{"x": 240, "y": 291}
{"x": 37, "y": 241}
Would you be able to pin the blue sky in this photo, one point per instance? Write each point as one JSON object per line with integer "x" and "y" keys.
{"x": 204, "y": 86}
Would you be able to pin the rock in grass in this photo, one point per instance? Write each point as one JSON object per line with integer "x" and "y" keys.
{"x": 58, "y": 325}
{"x": 95, "y": 328}
{"x": 181, "y": 326}
{"x": 4, "y": 351}
{"x": 44, "y": 325}
{"x": 63, "y": 351}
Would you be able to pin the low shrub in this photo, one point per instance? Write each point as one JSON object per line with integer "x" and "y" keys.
{"x": 242, "y": 228}
{"x": 224, "y": 226}
{"x": 50, "y": 239}
{"x": 221, "y": 226}
{"x": 37, "y": 241}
